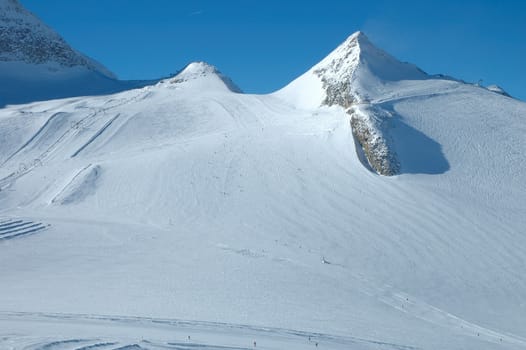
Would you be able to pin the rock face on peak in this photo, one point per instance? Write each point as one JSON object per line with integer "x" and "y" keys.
{"x": 348, "y": 77}
{"x": 202, "y": 70}
{"x": 348, "y": 71}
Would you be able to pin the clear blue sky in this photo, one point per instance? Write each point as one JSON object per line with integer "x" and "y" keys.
{"x": 264, "y": 44}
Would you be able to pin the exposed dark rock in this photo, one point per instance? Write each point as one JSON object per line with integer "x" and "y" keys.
{"x": 369, "y": 127}
{"x": 374, "y": 143}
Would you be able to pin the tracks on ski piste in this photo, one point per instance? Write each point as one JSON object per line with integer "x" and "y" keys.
{"x": 88, "y": 121}
{"x": 15, "y": 228}
{"x": 204, "y": 335}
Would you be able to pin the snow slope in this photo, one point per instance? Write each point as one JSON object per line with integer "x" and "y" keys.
{"x": 259, "y": 218}
{"x": 37, "y": 64}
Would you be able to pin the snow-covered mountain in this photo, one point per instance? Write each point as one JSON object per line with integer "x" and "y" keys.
{"x": 24, "y": 38}
{"x": 207, "y": 75}
{"x": 37, "y": 64}
{"x": 265, "y": 217}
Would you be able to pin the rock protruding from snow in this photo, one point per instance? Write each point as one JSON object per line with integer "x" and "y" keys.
{"x": 348, "y": 76}
{"x": 337, "y": 70}
{"x": 203, "y": 71}
{"x": 497, "y": 89}
{"x": 369, "y": 124}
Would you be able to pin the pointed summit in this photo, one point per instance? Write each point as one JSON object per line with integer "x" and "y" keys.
{"x": 347, "y": 74}
{"x": 197, "y": 69}
{"x": 204, "y": 75}
{"x": 348, "y": 77}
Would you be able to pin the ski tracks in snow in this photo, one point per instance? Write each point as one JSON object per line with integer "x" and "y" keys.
{"x": 131, "y": 333}
{"x": 13, "y": 228}
{"x": 414, "y": 307}
{"x": 97, "y": 134}
{"x": 71, "y": 132}
{"x": 429, "y": 313}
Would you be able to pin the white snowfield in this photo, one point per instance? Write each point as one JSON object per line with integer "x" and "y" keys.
{"x": 188, "y": 209}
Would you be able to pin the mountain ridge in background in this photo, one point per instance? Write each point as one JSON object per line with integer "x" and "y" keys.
{"x": 36, "y": 63}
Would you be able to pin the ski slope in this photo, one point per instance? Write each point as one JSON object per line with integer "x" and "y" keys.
{"x": 259, "y": 218}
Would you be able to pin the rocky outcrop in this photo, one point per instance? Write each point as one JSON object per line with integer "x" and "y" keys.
{"x": 369, "y": 126}
{"x": 498, "y": 90}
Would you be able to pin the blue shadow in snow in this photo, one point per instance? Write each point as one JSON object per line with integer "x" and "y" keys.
{"x": 417, "y": 153}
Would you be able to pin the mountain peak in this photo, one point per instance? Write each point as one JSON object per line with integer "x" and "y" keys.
{"x": 349, "y": 77}
{"x": 198, "y": 68}
{"x": 358, "y": 36}
{"x": 199, "y": 71}
{"x": 36, "y": 63}
{"x": 348, "y": 73}
{"x": 348, "y": 53}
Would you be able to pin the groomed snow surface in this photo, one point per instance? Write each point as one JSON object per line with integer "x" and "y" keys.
{"x": 187, "y": 209}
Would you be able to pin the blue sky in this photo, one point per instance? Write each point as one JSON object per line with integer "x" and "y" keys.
{"x": 262, "y": 45}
